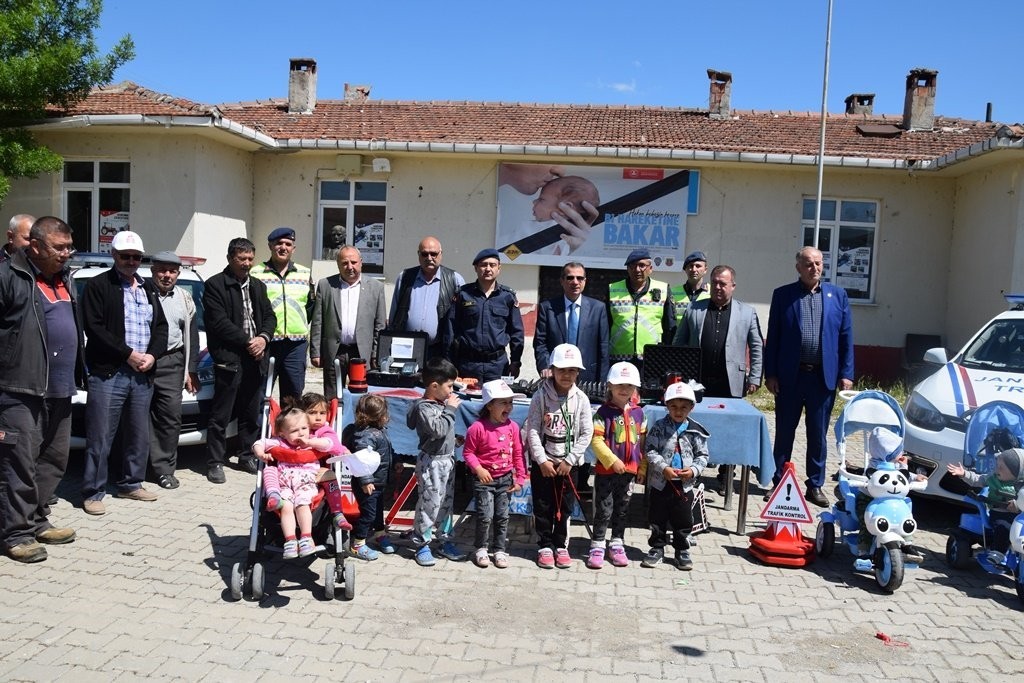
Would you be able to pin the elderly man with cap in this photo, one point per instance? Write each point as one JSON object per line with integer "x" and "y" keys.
{"x": 177, "y": 368}
{"x": 126, "y": 331}
{"x": 423, "y": 295}
{"x": 290, "y": 288}
{"x": 17, "y": 235}
{"x": 640, "y": 311}
{"x": 695, "y": 265}
{"x": 484, "y": 320}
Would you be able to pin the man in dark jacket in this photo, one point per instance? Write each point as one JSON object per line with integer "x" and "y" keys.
{"x": 126, "y": 331}
{"x": 239, "y": 324}
{"x": 40, "y": 366}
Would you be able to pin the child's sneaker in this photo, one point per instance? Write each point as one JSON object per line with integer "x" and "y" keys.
{"x": 274, "y": 502}
{"x": 545, "y": 558}
{"x": 617, "y": 556}
{"x": 291, "y": 550}
{"x": 481, "y": 559}
{"x": 306, "y": 547}
{"x": 364, "y": 552}
{"x": 450, "y": 551}
{"x": 385, "y": 545}
{"x": 653, "y": 558}
{"x": 562, "y": 559}
{"x": 595, "y": 560}
{"x": 501, "y": 560}
{"x": 341, "y": 523}
{"x": 683, "y": 560}
{"x": 424, "y": 557}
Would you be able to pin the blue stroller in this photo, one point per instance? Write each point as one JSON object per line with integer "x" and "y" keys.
{"x": 888, "y": 517}
{"x": 992, "y": 428}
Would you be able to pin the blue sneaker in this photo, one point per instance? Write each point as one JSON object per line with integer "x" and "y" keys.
{"x": 385, "y": 545}
{"x": 424, "y": 557}
{"x": 364, "y": 552}
{"x": 451, "y": 552}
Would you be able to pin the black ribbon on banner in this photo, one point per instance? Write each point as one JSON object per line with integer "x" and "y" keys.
{"x": 626, "y": 202}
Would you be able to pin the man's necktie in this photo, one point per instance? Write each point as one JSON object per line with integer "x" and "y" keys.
{"x": 574, "y": 323}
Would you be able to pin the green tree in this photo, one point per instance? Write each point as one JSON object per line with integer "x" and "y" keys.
{"x": 48, "y": 57}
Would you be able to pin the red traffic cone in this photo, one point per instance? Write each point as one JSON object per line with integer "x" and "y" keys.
{"x": 781, "y": 543}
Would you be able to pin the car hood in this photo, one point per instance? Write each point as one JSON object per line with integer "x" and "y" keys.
{"x": 954, "y": 389}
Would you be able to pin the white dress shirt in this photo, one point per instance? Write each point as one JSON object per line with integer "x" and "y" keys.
{"x": 349, "y": 308}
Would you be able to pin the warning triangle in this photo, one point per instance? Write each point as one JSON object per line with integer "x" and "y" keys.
{"x": 787, "y": 502}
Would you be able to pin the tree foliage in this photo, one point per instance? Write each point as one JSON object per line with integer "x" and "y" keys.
{"x": 48, "y": 56}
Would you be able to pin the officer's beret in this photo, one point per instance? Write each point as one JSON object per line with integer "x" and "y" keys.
{"x": 695, "y": 256}
{"x": 486, "y": 253}
{"x": 281, "y": 233}
{"x": 637, "y": 255}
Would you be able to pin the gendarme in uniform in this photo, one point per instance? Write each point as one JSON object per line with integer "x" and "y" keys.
{"x": 640, "y": 311}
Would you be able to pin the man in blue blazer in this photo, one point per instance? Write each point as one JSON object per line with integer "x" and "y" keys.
{"x": 554, "y": 320}
{"x": 808, "y": 355}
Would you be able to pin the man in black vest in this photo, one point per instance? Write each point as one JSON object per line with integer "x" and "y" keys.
{"x": 423, "y": 296}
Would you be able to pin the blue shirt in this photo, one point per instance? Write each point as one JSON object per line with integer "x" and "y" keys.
{"x": 138, "y": 315}
{"x": 422, "y": 303}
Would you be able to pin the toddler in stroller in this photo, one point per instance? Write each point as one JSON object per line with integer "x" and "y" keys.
{"x": 1000, "y": 489}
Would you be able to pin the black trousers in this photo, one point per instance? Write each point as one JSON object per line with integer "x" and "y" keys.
{"x": 165, "y": 412}
{"x": 671, "y": 509}
{"x": 552, "y": 507}
{"x": 236, "y": 394}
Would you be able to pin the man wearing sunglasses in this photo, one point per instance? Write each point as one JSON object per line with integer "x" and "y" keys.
{"x": 573, "y": 319}
{"x": 126, "y": 331}
{"x": 423, "y": 295}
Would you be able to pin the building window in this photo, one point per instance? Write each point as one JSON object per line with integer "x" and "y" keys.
{"x": 848, "y": 229}
{"x": 97, "y": 201}
{"x": 352, "y": 213}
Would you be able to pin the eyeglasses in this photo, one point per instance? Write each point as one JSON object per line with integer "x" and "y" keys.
{"x": 69, "y": 249}
{"x": 430, "y": 254}
{"x": 130, "y": 257}
{"x": 639, "y": 265}
{"x": 574, "y": 278}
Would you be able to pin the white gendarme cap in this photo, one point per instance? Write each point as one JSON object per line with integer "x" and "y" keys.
{"x": 126, "y": 240}
{"x": 566, "y": 356}
{"x": 496, "y": 388}
{"x": 680, "y": 390}
{"x": 624, "y": 373}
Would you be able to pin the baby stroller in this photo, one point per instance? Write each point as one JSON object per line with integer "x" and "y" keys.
{"x": 992, "y": 428}
{"x": 265, "y": 538}
{"x": 889, "y": 516}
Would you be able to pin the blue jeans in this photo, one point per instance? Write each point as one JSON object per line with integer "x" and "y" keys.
{"x": 125, "y": 394}
{"x": 289, "y": 366}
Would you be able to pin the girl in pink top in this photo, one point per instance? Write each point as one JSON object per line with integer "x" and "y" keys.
{"x": 494, "y": 453}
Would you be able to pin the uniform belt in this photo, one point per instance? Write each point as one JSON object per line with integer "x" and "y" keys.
{"x": 482, "y": 356}
{"x": 809, "y": 367}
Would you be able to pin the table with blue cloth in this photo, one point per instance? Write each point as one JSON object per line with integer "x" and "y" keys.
{"x": 739, "y": 433}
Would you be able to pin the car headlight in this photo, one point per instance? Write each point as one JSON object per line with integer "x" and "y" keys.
{"x": 921, "y": 413}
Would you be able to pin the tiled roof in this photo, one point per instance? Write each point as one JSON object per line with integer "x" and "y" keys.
{"x": 759, "y": 132}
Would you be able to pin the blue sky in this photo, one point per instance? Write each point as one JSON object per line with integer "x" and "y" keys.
{"x": 599, "y": 52}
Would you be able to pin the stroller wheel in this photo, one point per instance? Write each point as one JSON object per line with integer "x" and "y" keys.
{"x": 825, "y": 538}
{"x": 236, "y": 581}
{"x": 330, "y": 575}
{"x": 958, "y": 552}
{"x": 1018, "y": 576}
{"x": 350, "y": 580}
{"x": 889, "y": 568}
{"x": 257, "y": 581}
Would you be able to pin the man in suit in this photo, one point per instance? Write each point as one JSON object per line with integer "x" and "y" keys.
{"x": 573, "y": 319}
{"x": 348, "y": 316}
{"x": 808, "y": 354}
{"x": 240, "y": 323}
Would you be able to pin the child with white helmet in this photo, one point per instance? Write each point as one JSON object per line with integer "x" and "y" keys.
{"x": 619, "y": 430}
{"x": 494, "y": 454}
{"x": 677, "y": 452}
{"x": 558, "y": 427}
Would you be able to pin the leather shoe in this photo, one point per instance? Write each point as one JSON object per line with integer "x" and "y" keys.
{"x": 94, "y": 507}
{"x": 817, "y": 496}
{"x": 167, "y": 481}
{"x": 56, "y": 536}
{"x": 137, "y": 494}
{"x": 53, "y": 500}
{"x": 215, "y": 474}
{"x": 29, "y": 551}
{"x": 248, "y": 463}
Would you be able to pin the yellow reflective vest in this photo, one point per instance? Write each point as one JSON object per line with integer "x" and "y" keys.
{"x": 681, "y": 300}
{"x": 635, "y": 323}
{"x": 290, "y": 297}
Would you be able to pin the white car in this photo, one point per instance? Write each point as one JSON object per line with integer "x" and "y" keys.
{"x": 195, "y": 410}
{"x": 989, "y": 367}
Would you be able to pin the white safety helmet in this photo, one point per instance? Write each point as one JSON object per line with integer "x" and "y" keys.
{"x": 566, "y": 356}
{"x": 624, "y": 373}
{"x": 679, "y": 390}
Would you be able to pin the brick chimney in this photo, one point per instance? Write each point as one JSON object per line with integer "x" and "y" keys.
{"x": 357, "y": 93}
{"x": 720, "y": 94}
{"x": 861, "y": 103}
{"x": 919, "y": 105}
{"x": 302, "y": 86}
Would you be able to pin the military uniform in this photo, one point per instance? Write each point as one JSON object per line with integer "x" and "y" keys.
{"x": 479, "y": 329}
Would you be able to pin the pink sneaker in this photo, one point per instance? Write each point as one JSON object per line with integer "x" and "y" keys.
{"x": 562, "y": 559}
{"x": 545, "y": 558}
{"x": 595, "y": 560}
{"x": 617, "y": 556}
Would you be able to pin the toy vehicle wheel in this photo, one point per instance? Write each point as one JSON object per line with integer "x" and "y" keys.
{"x": 825, "y": 538}
{"x": 330, "y": 573}
{"x": 236, "y": 581}
{"x": 958, "y": 552}
{"x": 257, "y": 581}
{"x": 1019, "y": 578}
{"x": 350, "y": 580}
{"x": 889, "y": 568}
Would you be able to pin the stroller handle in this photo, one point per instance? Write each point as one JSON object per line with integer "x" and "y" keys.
{"x": 847, "y": 394}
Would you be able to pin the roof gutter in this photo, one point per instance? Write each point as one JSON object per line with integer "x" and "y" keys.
{"x": 204, "y": 121}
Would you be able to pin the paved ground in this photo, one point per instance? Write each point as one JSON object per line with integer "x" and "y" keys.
{"x": 143, "y": 594}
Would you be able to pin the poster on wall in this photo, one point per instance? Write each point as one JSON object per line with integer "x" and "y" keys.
{"x": 111, "y": 223}
{"x": 853, "y": 268}
{"x": 633, "y": 208}
{"x": 369, "y": 240}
